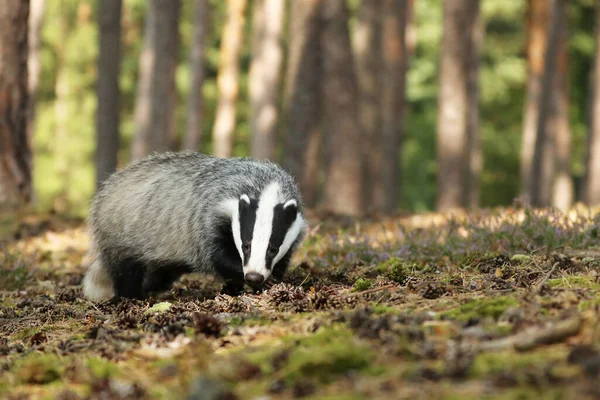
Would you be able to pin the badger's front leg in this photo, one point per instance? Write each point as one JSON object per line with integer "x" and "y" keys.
{"x": 160, "y": 276}
{"x": 128, "y": 277}
{"x": 234, "y": 279}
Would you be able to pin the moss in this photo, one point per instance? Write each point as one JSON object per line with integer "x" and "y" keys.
{"x": 493, "y": 363}
{"x": 395, "y": 269}
{"x": 521, "y": 258}
{"x": 474, "y": 259}
{"x": 319, "y": 358}
{"x": 362, "y": 284}
{"x": 383, "y": 309}
{"x": 481, "y": 308}
{"x": 585, "y": 305}
{"x": 160, "y": 307}
{"x": 38, "y": 369}
{"x": 574, "y": 281}
{"x": 26, "y": 333}
{"x": 102, "y": 368}
{"x": 326, "y": 355}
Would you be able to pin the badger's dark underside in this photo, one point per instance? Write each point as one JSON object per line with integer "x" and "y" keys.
{"x": 134, "y": 278}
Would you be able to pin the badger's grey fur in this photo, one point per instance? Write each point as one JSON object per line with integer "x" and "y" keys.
{"x": 174, "y": 213}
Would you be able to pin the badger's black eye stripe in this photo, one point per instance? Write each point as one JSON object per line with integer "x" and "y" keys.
{"x": 247, "y": 215}
{"x": 283, "y": 218}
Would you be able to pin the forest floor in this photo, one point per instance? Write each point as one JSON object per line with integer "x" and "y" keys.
{"x": 496, "y": 304}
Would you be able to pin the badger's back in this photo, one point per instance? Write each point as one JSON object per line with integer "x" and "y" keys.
{"x": 165, "y": 206}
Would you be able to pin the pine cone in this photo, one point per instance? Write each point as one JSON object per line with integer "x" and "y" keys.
{"x": 207, "y": 324}
{"x": 234, "y": 305}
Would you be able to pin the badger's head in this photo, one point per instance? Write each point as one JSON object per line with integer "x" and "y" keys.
{"x": 264, "y": 230}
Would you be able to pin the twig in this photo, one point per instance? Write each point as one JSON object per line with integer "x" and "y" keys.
{"x": 369, "y": 291}
{"x": 545, "y": 278}
{"x": 305, "y": 279}
{"x": 535, "y": 337}
{"x": 592, "y": 253}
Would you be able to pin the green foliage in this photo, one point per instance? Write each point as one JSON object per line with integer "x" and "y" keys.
{"x": 362, "y": 284}
{"x": 64, "y": 131}
{"x": 395, "y": 270}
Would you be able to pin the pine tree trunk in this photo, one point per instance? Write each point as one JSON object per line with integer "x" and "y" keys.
{"x": 344, "y": 183}
{"x": 265, "y": 76}
{"x": 15, "y": 153}
{"x": 156, "y": 97}
{"x": 36, "y": 22}
{"x": 411, "y": 29}
{"x": 194, "y": 131}
{"x": 107, "y": 116}
{"x": 454, "y": 158}
{"x": 474, "y": 159}
{"x": 228, "y": 78}
{"x": 303, "y": 97}
{"x": 547, "y": 124}
{"x": 537, "y": 21}
{"x": 563, "y": 191}
{"x": 368, "y": 51}
{"x": 393, "y": 73}
{"x": 592, "y": 177}
{"x": 62, "y": 91}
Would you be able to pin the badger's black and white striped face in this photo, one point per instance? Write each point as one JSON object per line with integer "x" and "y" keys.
{"x": 264, "y": 230}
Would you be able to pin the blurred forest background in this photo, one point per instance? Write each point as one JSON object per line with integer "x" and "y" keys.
{"x": 374, "y": 105}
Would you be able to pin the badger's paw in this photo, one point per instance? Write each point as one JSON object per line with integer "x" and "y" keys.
{"x": 97, "y": 284}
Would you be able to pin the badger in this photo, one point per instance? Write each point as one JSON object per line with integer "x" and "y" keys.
{"x": 174, "y": 213}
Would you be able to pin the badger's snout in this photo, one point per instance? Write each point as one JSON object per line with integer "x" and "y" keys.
{"x": 254, "y": 278}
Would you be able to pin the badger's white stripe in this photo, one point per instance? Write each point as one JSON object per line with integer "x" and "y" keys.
{"x": 290, "y": 237}
{"x": 261, "y": 233}
{"x": 232, "y": 208}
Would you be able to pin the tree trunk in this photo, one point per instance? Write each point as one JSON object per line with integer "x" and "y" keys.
{"x": 368, "y": 50}
{"x": 592, "y": 177}
{"x": 564, "y": 191}
{"x": 193, "y": 133}
{"x": 393, "y": 73}
{"x": 537, "y": 21}
{"x": 15, "y": 153}
{"x": 303, "y": 96}
{"x": 547, "y": 124}
{"x": 156, "y": 97}
{"x": 36, "y": 22}
{"x": 455, "y": 98}
{"x": 411, "y": 29}
{"x": 265, "y": 76}
{"x": 228, "y": 78}
{"x": 62, "y": 91}
{"x": 107, "y": 117}
{"x": 344, "y": 184}
{"x": 474, "y": 157}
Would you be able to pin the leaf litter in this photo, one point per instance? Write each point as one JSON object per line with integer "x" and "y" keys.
{"x": 495, "y": 304}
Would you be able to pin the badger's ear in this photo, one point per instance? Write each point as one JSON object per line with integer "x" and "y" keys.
{"x": 290, "y": 210}
{"x": 290, "y": 204}
{"x": 245, "y": 198}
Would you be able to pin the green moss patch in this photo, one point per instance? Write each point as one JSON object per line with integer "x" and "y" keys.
{"x": 38, "y": 369}
{"x": 362, "y": 284}
{"x": 580, "y": 282}
{"x": 481, "y": 308}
